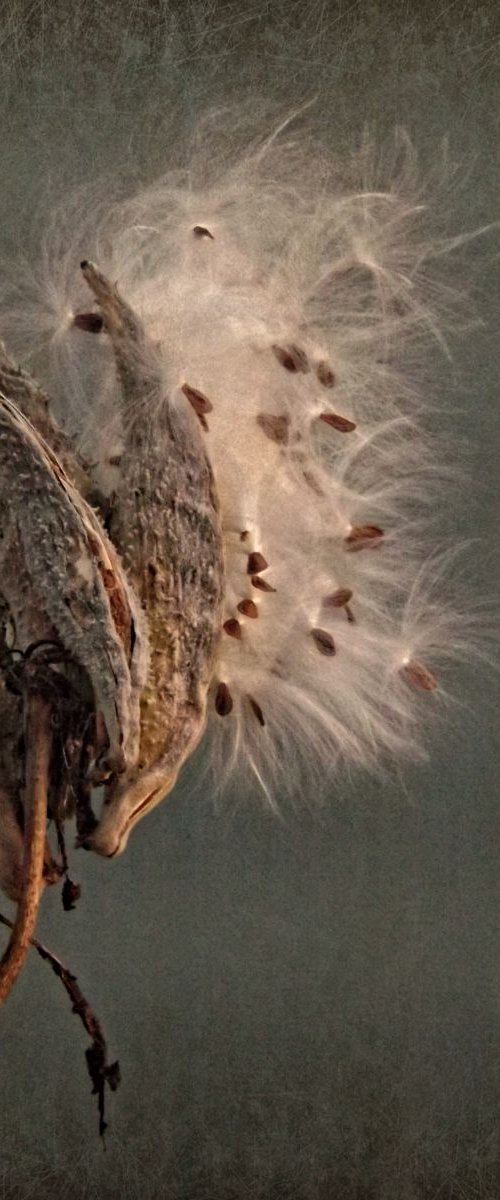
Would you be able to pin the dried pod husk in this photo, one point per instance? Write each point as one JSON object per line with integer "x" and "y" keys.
{"x": 64, "y": 586}
{"x": 165, "y": 523}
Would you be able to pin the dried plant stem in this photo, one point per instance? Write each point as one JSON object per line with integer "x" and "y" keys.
{"x": 101, "y": 1073}
{"x": 38, "y": 742}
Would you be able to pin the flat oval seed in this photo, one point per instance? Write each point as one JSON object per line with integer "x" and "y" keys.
{"x": 200, "y": 232}
{"x": 90, "y": 322}
{"x": 292, "y": 358}
{"x": 256, "y": 563}
{"x": 362, "y": 536}
{"x": 324, "y": 641}
{"x": 337, "y": 599}
{"x": 341, "y": 424}
{"x": 248, "y": 608}
{"x": 223, "y": 700}
{"x": 232, "y": 627}
{"x": 416, "y": 673}
{"x": 257, "y": 710}
{"x": 325, "y": 374}
{"x": 199, "y": 401}
{"x": 262, "y": 584}
{"x": 277, "y": 429}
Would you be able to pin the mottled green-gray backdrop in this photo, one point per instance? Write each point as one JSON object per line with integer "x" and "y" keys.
{"x": 307, "y": 1008}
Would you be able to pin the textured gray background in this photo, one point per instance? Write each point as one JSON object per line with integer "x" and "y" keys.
{"x": 307, "y": 1008}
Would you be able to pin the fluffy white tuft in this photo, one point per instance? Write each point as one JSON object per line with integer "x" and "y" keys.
{"x": 299, "y": 299}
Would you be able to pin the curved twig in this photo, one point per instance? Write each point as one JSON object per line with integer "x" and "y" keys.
{"x": 38, "y": 734}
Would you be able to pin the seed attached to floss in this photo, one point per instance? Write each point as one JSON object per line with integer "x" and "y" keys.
{"x": 350, "y": 615}
{"x": 292, "y": 358}
{"x": 256, "y": 709}
{"x": 89, "y": 322}
{"x": 324, "y": 641}
{"x": 199, "y": 402}
{"x": 261, "y": 584}
{"x": 277, "y": 429}
{"x": 341, "y": 424}
{"x": 362, "y": 537}
{"x": 232, "y": 627}
{"x": 416, "y": 673}
{"x": 248, "y": 608}
{"x": 337, "y": 599}
{"x": 325, "y": 375}
{"x": 223, "y": 700}
{"x": 200, "y": 232}
{"x": 256, "y": 563}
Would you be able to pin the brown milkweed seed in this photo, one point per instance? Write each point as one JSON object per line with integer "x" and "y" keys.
{"x": 341, "y": 424}
{"x": 223, "y": 700}
{"x": 256, "y": 563}
{"x": 337, "y": 599}
{"x": 248, "y": 608}
{"x": 363, "y": 536}
{"x": 350, "y": 615}
{"x": 199, "y": 401}
{"x": 325, "y": 374}
{"x": 90, "y": 322}
{"x": 277, "y": 429}
{"x": 292, "y": 358}
{"x": 232, "y": 627}
{"x": 324, "y": 641}
{"x": 262, "y": 584}
{"x": 257, "y": 710}
{"x": 416, "y": 673}
{"x": 200, "y": 231}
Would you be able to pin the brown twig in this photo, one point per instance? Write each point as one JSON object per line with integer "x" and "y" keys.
{"x": 38, "y": 735}
{"x": 101, "y": 1073}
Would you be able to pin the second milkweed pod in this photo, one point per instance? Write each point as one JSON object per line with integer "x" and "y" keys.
{"x": 165, "y": 516}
